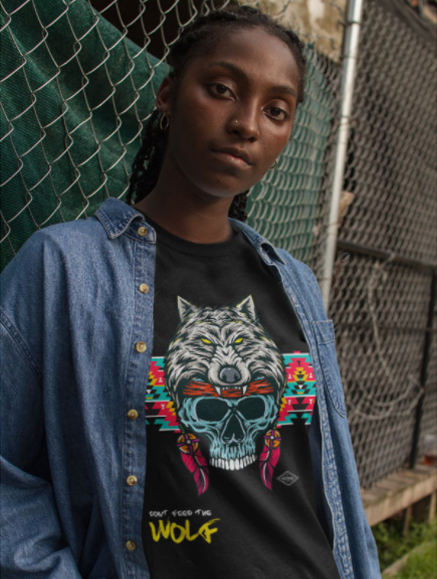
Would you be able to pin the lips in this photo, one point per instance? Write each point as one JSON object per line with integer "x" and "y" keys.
{"x": 235, "y": 152}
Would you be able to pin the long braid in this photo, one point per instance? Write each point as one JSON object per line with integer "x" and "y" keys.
{"x": 200, "y": 36}
{"x": 237, "y": 210}
{"x": 148, "y": 161}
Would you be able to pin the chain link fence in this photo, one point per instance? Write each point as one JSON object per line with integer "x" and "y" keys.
{"x": 78, "y": 82}
{"x": 388, "y": 237}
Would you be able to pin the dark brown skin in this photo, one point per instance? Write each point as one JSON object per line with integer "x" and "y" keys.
{"x": 240, "y": 97}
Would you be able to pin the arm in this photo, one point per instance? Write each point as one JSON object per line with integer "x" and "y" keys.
{"x": 31, "y": 535}
{"x": 31, "y": 539}
{"x": 361, "y": 542}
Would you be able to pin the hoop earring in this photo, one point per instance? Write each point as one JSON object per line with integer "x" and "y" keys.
{"x": 274, "y": 165}
{"x": 164, "y": 122}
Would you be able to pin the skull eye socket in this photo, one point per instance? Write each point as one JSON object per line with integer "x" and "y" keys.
{"x": 211, "y": 410}
{"x": 252, "y": 408}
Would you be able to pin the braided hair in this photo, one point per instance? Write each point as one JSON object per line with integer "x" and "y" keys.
{"x": 201, "y": 36}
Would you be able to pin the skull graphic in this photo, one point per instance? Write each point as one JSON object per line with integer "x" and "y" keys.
{"x": 230, "y": 424}
{"x": 226, "y": 377}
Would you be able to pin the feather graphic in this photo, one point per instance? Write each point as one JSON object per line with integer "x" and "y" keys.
{"x": 269, "y": 456}
{"x": 194, "y": 461}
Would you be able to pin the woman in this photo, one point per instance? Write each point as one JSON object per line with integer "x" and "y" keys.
{"x": 224, "y": 332}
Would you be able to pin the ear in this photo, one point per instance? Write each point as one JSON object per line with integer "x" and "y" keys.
{"x": 247, "y": 307}
{"x": 185, "y": 309}
{"x": 164, "y": 96}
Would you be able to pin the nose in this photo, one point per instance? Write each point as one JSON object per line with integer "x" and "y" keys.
{"x": 230, "y": 375}
{"x": 233, "y": 431}
{"x": 244, "y": 123}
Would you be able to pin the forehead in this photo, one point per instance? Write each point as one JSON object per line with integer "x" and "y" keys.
{"x": 262, "y": 56}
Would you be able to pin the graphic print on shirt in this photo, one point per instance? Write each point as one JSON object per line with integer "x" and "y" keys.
{"x": 223, "y": 380}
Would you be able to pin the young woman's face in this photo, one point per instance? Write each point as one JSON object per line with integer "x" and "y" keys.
{"x": 233, "y": 112}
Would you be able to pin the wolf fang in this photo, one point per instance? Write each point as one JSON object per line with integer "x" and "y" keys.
{"x": 189, "y": 358}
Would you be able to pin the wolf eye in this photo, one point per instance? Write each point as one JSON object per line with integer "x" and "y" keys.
{"x": 238, "y": 340}
{"x": 205, "y": 341}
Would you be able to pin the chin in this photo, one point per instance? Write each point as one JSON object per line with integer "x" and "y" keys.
{"x": 222, "y": 188}
{"x": 211, "y": 181}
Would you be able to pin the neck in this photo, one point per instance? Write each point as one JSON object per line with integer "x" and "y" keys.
{"x": 188, "y": 213}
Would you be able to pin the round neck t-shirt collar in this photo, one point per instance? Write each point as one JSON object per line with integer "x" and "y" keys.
{"x": 176, "y": 243}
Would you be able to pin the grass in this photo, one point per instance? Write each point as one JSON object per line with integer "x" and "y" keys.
{"x": 422, "y": 565}
{"x": 392, "y": 546}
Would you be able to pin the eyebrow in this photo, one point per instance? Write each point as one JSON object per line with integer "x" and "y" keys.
{"x": 241, "y": 74}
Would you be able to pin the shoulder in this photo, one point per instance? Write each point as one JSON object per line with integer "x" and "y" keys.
{"x": 304, "y": 283}
{"x": 300, "y": 271}
{"x": 82, "y": 242}
{"x": 283, "y": 258}
{"x": 44, "y": 270}
{"x": 54, "y": 244}
{"x": 69, "y": 237}
{"x": 57, "y": 274}
{"x": 296, "y": 276}
{"x": 299, "y": 267}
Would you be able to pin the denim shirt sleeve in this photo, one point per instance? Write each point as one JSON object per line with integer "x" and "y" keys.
{"x": 31, "y": 535}
{"x": 333, "y": 434}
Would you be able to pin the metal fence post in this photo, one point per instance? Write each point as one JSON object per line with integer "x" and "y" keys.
{"x": 424, "y": 371}
{"x": 349, "y": 57}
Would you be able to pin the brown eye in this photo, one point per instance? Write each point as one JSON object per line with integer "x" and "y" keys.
{"x": 277, "y": 113}
{"x": 220, "y": 89}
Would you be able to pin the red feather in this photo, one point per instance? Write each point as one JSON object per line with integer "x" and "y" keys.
{"x": 194, "y": 461}
{"x": 269, "y": 456}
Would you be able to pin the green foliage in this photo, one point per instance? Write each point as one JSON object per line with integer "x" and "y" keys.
{"x": 422, "y": 565}
{"x": 392, "y": 545}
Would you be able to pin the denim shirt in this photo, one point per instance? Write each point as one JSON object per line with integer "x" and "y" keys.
{"x": 75, "y": 315}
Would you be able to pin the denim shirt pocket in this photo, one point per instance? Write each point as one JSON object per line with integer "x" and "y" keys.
{"x": 324, "y": 332}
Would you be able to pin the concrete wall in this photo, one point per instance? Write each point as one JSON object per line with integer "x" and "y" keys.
{"x": 316, "y": 21}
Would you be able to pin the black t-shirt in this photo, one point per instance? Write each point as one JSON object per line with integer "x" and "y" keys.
{"x": 229, "y": 485}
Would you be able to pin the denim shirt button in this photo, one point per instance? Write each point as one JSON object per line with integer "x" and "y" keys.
{"x": 140, "y": 347}
{"x": 130, "y": 546}
{"x": 142, "y": 231}
{"x": 132, "y": 414}
{"x": 131, "y": 480}
{"x": 144, "y": 288}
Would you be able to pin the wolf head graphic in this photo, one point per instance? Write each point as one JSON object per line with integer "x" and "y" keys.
{"x": 226, "y": 377}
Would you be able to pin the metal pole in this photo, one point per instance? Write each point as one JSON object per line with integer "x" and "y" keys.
{"x": 349, "y": 57}
{"x": 424, "y": 372}
{"x": 385, "y": 255}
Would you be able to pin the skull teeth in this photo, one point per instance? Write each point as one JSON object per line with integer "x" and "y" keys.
{"x": 233, "y": 464}
{"x": 223, "y": 388}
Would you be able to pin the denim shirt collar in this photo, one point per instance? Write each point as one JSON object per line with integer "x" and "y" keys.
{"x": 260, "y": 243}
{"x": 117, "y": 216}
